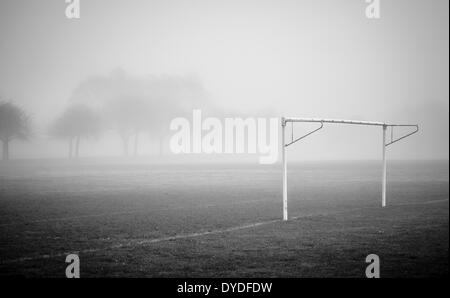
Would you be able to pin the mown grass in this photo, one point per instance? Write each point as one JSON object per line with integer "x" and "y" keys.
{"x": 105, "y": 212}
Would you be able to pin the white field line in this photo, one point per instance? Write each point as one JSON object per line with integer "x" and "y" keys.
{"x": 421, "y": 203}
{"x": 378, "y": 207}
{"x": 136, "y": 211}
{"x": 142, "y": 242}
{"x": 194, "y": 235}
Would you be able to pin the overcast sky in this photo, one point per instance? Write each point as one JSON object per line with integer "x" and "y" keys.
{"x": 304, "y": 58}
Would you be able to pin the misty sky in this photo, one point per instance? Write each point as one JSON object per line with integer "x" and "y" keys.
{"x": 303, "y": 58}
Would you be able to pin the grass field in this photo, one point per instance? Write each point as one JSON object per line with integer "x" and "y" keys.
{"x": 141, "y": 219}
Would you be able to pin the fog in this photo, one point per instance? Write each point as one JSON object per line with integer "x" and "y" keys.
{"x": 307, "y": 58}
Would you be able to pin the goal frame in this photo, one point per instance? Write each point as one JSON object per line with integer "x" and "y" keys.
{"x": 385, "y": 144}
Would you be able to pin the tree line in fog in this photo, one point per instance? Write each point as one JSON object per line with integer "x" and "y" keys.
{"x": 133, "y": 107}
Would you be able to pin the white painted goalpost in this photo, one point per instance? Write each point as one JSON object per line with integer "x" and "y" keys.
{"x": 385, "y": 143}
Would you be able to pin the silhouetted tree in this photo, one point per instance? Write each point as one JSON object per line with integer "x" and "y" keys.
{"x": 143, "y": 104}
{"x": 129, "y": 116}
{"x": 14, "y": 124}
{"x": 78, "y": 121}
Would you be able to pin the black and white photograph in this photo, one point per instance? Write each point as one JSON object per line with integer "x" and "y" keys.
{"x": 223, "y": 145}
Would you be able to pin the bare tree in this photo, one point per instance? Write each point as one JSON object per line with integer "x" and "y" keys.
{"x": 14, "y": 124}
{"x": 129, "y": 116}
{"x": 135, "y": 105}
{"x": 78, "y": 121}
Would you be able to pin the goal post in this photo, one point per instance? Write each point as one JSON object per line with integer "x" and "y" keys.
{"x": 385, "y": 143}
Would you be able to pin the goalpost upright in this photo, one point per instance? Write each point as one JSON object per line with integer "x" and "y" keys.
{"x": 283, "y": 153}
{"x": 385, "y": 144}
{"x": 384, "y": 177}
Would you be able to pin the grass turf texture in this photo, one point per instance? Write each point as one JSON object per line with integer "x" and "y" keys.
{"x": 153, "y": 220}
